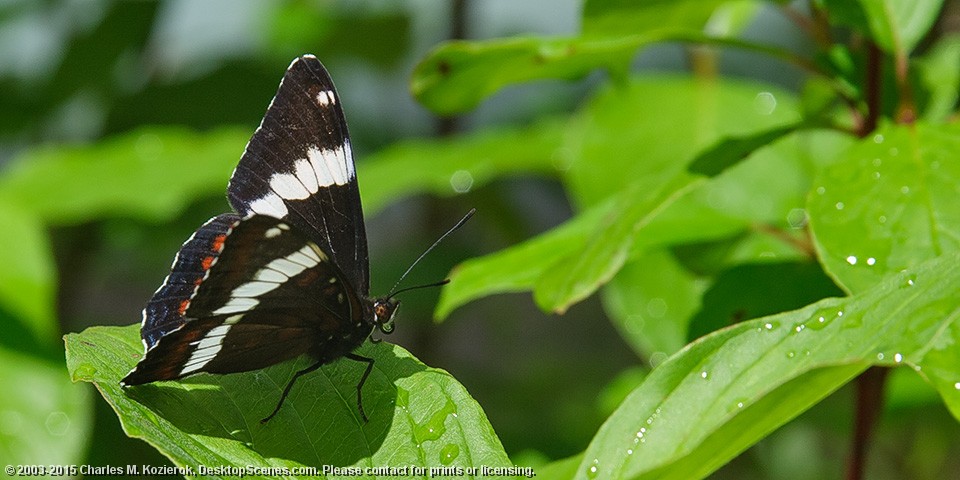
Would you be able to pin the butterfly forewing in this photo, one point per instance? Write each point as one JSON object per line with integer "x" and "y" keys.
{"x": 298, "y": 166}
{"x": 270, "y": 295}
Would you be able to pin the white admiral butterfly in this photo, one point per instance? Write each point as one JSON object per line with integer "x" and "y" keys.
{"x": 288, "y": 273}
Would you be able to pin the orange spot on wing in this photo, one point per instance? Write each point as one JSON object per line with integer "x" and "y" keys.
{"x": 183, "y": 307}
{"x": 218, "y": 242}
{"x": 207, "y": 263}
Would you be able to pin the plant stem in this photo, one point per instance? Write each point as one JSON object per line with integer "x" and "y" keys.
{"x": 870, "y": 386}
{"x": 870, "y": 383}
{"x": 873, "y": 90}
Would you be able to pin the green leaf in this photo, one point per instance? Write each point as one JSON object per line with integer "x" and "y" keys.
{"x": 580, "y": 273}
{"x": 755, "y": 290}
{"x": 564, "y": 468}
{"x": 939, "y": 73}
{"x": 898, "y": 26}
{"x": 418, "y": 415}
{"x": 457, "y": 76}
{"x": 633, "y": 129}
{"x": 888, "y": 204}
{"x": 731, "y": 18}
{"x": 44, "y": 419}
{"x": 154, "y": 173}
{"x": 516, "y": 269}
{"x": 28, "y": 282}
{"x": 455, "y": 165}
{"x": 650, "y": 301}
{"x": 151, "y": 173}
{"x": 779, "y": 177}
{"x": 623, "y": 17}
{"x": 729, "y": 389}
{"x": 732, "y": 150}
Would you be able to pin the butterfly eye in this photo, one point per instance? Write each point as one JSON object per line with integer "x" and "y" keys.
{"x": 384, "y": 311}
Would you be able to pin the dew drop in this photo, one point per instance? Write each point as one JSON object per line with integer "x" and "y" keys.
{"x": 880, "y": 356}
{"x": 871, "y": 261}
{"x": 877, "y": 162}
{"x": 839, "y": 205}
{"x": 765, "y": 103}
{"x": 956, "y": 386}
{"x": 897, "y": 357}
{"x": 449, "y": 453}
{"x": 656, "y": 358}
{"x": 461, "y": 181}
{"x": 629, "y": 451}
{"x": 878, "y": 138}
{"x": 85, "y": 372}
{"x": 882, "y": 219}
{"x": 852, "y": 260}
{"x": 594, "y": 468}
{"x": 703, "y": 374}
{"x": 904, "y": 189}
{"x": 791, "y": 354}
{"x": 821, "y": 190}
{"x": 435, "y": 426}
{"x": 657, "y": 307}
{"x": 57, "y": 423}
{"x": 797, "y": 218}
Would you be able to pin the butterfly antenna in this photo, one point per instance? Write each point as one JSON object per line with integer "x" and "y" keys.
{"x": 394, "y": 291}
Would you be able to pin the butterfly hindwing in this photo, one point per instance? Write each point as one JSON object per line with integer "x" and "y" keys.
{"x": 269, "y": 295}
{"x": 298, "y": 166}
{"x": 164, "y": 312}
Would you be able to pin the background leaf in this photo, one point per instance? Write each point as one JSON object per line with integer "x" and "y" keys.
{"x": 896, "y": 26}
{"x": 457, "y": 165}
{"x": 27, "y": 286}
{"x": 939, "y": 74}
{"x": 631, "y": 129}
{"x": 582, "y": 272}
{"x": 651, "y": 300}
{"x": 55, "y": 182}
{"x": 47, "y": 421}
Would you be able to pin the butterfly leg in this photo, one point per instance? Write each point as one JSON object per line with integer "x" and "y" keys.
{"x": 286, "y": 391}
{"x": 363, "y": 379}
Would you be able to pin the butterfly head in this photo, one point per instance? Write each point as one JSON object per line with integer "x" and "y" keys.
{"x": 384, "y": 309}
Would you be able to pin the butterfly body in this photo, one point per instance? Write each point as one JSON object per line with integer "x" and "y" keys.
{"x": 286, "y": 274}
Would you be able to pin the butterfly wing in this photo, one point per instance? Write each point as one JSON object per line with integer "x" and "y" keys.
{"x": 164, "y": 312}
{"x": 298, "y": 167}
{"x": 268, "y": 295}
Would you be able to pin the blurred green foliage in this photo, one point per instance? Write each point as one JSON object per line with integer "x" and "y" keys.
{"x": 731, "y": 242}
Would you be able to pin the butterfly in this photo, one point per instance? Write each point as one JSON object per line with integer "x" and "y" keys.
{"x": 287, "y": 273}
